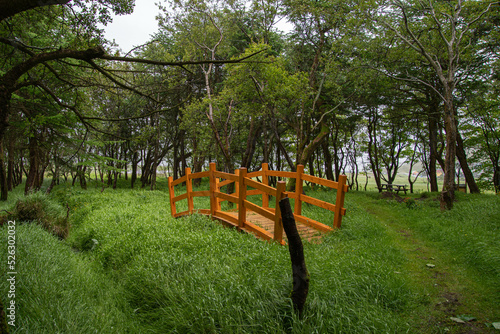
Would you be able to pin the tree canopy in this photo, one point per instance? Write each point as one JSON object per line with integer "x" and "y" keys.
{"x": 354, "y": 86}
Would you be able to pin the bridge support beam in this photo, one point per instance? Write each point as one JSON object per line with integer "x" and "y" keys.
{"x": 242, "y": 196}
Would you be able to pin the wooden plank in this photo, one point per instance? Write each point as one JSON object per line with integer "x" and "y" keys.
{"x": 282, "y": 174}
{"x": 312, "y": 223}
{"x": 225, "y": 183}
{"x": 224, "y": 215}
{"x": 259, "y": 231}
{"x": 226, "y": 176}
{"x": 259, "y": 210}
{"x": 179, "y": 181}
{"x": 317, "y": 202}
{"x": 254, "y": 192}
{"x": 180, "y": 214}
{"x": 204, "y": 193}
{"x": 203, "y": 212}
{"x": 180, "y": 197}
{"x": 199, "y": 175}
{"x": 324, "y": 182}
{"x": 255, "y": 174}
{"x": 320, "y": 181}
{"x": 254, "y": 184}
{"x": 226, "y": 197}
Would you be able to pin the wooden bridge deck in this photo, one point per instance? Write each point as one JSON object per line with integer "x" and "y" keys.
{"x": 306, "y": 232}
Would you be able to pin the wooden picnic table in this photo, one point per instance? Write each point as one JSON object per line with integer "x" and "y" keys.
{"x": 393, "y": 187}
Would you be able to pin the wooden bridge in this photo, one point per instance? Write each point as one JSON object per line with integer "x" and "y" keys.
{"x": 263, "y": 221}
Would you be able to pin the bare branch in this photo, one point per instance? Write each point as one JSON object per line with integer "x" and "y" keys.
{"x": 135, "y": 117}
{"x": 409, "y": 80}
{"x": 180, "y": 63}
{"x": 122, "y": 85}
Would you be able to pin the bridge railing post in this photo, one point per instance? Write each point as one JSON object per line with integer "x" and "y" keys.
{"x": 298, "y": 190}
{"x": 337, "y": 220}
{"x": 265, "y": 180}
{"x": 242, "y": 195}
{"x": 217, "y": 199}
{"x": 213, "y": 186}
{"x": 171, "y": 192}
{"x": 189, "y": 190}
{"x": 237, "y": 186}
{"x": 278, "y": 222}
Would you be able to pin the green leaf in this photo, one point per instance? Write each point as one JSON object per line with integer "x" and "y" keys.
{"x": 466, "y": 317}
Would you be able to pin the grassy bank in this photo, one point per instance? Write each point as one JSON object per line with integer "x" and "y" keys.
{"x": 127, "y": 266}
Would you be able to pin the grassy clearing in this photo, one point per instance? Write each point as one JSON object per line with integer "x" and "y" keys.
{"x": 127, "y": 265}
{"x": 58, "y": 291}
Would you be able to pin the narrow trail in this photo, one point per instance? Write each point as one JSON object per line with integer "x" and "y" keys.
{"x": 445, "y": 286}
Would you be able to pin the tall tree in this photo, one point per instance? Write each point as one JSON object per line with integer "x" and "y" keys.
{"x": 439, "y": 32}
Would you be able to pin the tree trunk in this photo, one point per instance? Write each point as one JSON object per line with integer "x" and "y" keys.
{"x": 253, "y": 135}
{"x": 4, "y": 189}
{"x": 33, "y": 174}
{"x": 135, "y": 161}
{"x": 433, "y": 152}
{"x": 448, "y": 192}
{"x": 81, "y": 175}
{"x": 496, "y": 178}
{"x": 306, "y": 154}
{"x": 10, "y": 164}
{"x": 328, "y": 160}
{"x": 462, "y": 158}
{"x": 373, "y": 149}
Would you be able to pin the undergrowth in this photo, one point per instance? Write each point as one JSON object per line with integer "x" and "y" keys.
{"x": 38, "y": 208}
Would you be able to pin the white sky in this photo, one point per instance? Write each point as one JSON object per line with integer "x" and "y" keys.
{"x": 129, "y": 31}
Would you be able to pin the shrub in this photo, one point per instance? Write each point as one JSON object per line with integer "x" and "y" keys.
{"x": 39, "y": 208}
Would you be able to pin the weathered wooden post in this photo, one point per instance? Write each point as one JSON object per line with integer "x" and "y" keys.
{"x": 296, "y": 249}
{"x": 278, "y": 224}
{"x": 265, "y": 180}
{"x": 242, "y": 195}
{"x": 298, "y": 190}
{"x": 171, "y": 192}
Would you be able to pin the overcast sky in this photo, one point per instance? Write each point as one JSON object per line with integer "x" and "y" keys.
{"x": 129, "y": 31}
{"x": 135, "y": 29}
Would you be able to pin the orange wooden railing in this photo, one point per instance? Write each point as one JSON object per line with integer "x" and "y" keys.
{"x": 242, "y": 181}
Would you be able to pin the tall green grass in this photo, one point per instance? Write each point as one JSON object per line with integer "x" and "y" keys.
{"x": 192, "y": 275}
{"x": 58, "y": 291}
{"x": 129, "y": 265}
